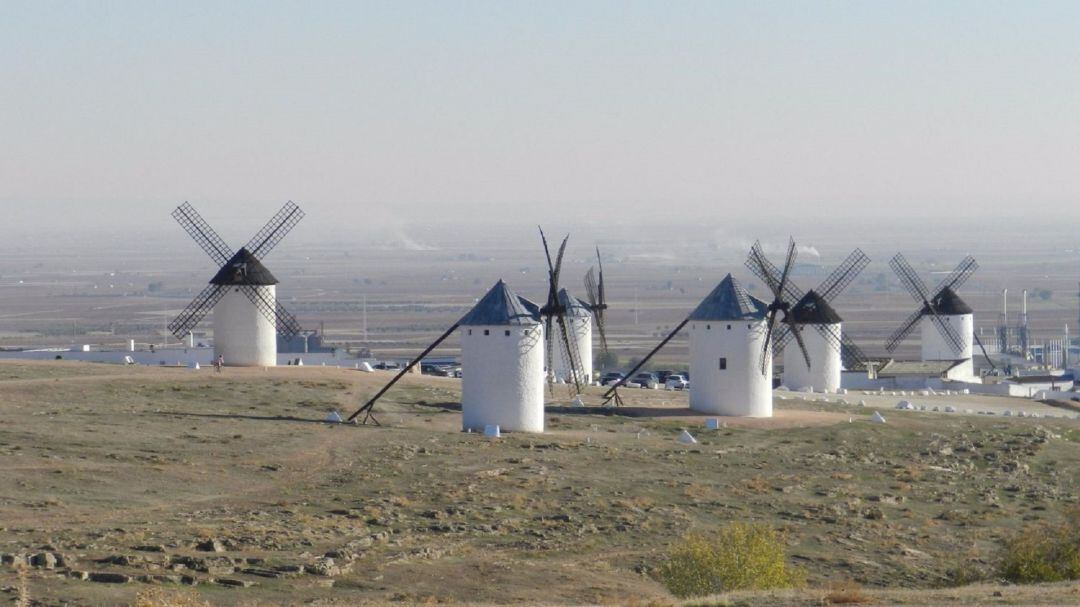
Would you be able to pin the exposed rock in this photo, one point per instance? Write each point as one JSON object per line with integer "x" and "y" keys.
{"x": 109, "y": 578}
{"x": 326, "y": 567}
{"x": 210, "y": 545}
{"x": 44, "y": 560}
{"x": 234, "y": 583}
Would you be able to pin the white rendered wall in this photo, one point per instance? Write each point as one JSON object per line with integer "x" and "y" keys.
{"x": 502, "y": 378}
{"x": 580, "y": 330}
{"x": 740, "y": 389}
{"x": 936, "y": 346}
{"x": 243, "y": 335}
{"x": 825, "y": 364}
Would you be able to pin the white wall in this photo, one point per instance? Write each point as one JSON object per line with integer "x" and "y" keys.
{"x": 502, "y": 378}
{"x": 172, "y": 356}
{"x": 740, "y": 389}
{"x": 243, "y": 335}
{"x": 936, "y": 346}
{"x": 825, "y": 364}
{"x": 580, "y": 330}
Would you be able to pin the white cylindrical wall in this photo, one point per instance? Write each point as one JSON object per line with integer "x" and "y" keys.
{"x": 740, "y": 388}
{"x": 502, "y": 377}
{"x": 243, "y": 335}
{"x": 825, "y": 363}
{"x": 580, "y": 333}
{"x": 936, "y": 346}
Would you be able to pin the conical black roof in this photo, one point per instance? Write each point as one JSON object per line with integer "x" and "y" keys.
{"x": 812, "y": 309}
{"x": 948, "y": 303}
{"x": 729, "y": 301}
{"x": 243, "y": 269}
{"x": 574, "y": 306}
{"x": 501, "y": 306}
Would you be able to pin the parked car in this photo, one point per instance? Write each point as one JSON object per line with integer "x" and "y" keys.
{"x": 388, "y": 366}
{"x": 645, "y": 379}
{"x": 676, "y": 382}
{"x": 610, "y": 377}
{"x": 662, "y": 376}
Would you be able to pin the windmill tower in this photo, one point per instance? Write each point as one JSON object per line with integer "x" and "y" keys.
{"x": 504, "y": 357}
{"x": 828, "y": 349}
{"x": 576, "y": 359}
{"x": 567, "y": 329}
{"x": 242, "y": 294}
{"x": 728, "y": 332}
{"x": 731, "y": 333}
{"x": 502, "y": 362}
{"x": 947, "y": 322}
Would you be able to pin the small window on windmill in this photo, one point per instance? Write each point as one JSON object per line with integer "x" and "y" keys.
{"x": 723, "y": 363}
{"x": 729, "y": 327}
{"x": 470, "y": 331}
{"x": 708, "y": 327}
{"x": 487, "y": 332}
{"x": 507, "y": 333}
{"x": 748, "y": 325}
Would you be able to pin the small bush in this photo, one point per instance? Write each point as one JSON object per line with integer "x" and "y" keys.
{"x": 1047, "y": 553}
{"x": 738, "y": 556}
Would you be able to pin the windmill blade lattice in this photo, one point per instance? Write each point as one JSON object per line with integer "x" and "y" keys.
{"x": 195, "y": 311}
{"x": 779, "y": 281}
{"x": 785, "y": 295}
{"x": 917, "y": 289}
{"x": 223, "y": 255}
{"x": 203, "y": 235}
{"x": 276, "y": 229}
{"x": 283, "y": 320}
{"x": 843, "y": 275}
{"x": 959, "y": 275}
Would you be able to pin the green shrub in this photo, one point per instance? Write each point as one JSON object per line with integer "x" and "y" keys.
{"x": 1047, "y": 553}
{"x": 738, "y": 556}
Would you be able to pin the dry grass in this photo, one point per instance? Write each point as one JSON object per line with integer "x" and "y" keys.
{"x": 22, "y": 598}
{"x": 158, "y": 597}
{"x": 846, "y": 593}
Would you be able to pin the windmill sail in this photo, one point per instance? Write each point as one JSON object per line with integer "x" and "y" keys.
{"x": 242, "y": 270}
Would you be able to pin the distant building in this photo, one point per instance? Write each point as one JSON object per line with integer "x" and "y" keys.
{"x": 305, "y": 342}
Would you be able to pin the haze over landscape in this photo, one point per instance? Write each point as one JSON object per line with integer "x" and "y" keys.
{"x": 115, "y": 112}
{"x": 161, "y": 444}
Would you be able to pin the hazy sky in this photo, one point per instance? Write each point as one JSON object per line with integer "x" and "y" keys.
{"x": 513, "y": 108}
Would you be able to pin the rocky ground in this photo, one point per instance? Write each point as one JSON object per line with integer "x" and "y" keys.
{"x": 114, "y": 480}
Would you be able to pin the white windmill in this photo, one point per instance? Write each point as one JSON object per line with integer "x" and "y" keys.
{"x": 947, "y": 322}
{"x": 828, "y": 349}
{"x": 731, "y": 344}
{"x": 243, "y": 293}
{"x": 728, "y": 330}
{"x": 502, "y": 364}
{"x": 576, "y": 358}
